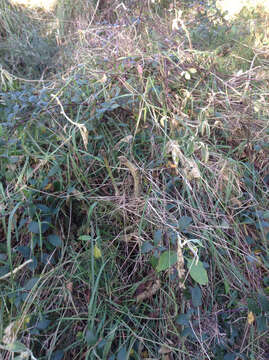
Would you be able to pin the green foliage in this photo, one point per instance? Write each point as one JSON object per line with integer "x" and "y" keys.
{"x": 166, "y": 260}
{"x": 81, "y": 253}
{"x": 197, "y": 272}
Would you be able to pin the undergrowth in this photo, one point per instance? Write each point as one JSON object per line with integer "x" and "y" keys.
{"x": 134, "y": 182}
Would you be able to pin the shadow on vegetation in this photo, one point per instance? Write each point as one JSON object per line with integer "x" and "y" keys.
{"x": 28, "y": 43}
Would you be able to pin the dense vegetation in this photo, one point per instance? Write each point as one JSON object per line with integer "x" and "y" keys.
{"x": 134, "y": 181}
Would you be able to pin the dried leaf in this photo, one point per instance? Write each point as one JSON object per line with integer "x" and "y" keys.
{"x": 150, "y": 291}
{"x": 187, "y": 75}
{"x": 10, "y": 333}
{"x": 127, "y": 139}
{"x": 97, "y": 252}
{"x": 135, "y": 174}
{"x": 84, "y": 134}
{"x": 192, "y": 70}
{"x": 175, "y": 25}
{"x": 164, "y": 350}
{"x": 191, "y": 170}
{"x": 163, "y": 120}
{"x": 69, "y": 286}
{"x": 251, "y": 318}
{"x": 180, "y": 266}
{"x": 49, "y": 187}
{"x": 173, "y": 147}
{"x": 104, "y": 79}
{"x": 140, "y": 71}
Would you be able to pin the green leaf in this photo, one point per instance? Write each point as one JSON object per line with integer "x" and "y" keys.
{"x": 261, "y": 323}
{"x": 43, "y": 208}
{"x": 183, "y": 319}
{"x": 25, "y": 251}
{"x": 230, "y": 356}
{"x": 90, "y": 338}
{"x": 196, "y": 296}
{"x": 154, "y": 261}
{"x": 188, "y": 332}
{"x": 166, "y": 260}
{"x": 16, "y": 346}
{"x": 157, "y": 237}
{"x": 197, "y": 272}
{"x": 264, "y": 301}
{"x": 36, "y": 229}
{"x": 253, "y": 306}
{"x": 43, "y": 324}
{"x": 31, "y": 283}
{"x": 55, "y": 240}
{"x": 57, "y": 355}
{"x": 85, "y": 238}
{"x": 184, "y": 222}
{"x": 122, "y": 354}
{"x": 146, "y": 247}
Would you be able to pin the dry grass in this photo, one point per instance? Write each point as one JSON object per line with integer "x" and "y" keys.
{"x": 135, "y": 145}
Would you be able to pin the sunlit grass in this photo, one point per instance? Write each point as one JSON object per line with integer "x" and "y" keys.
{"x": 47, "y": 5}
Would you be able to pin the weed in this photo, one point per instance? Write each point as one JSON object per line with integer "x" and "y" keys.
{"x": 133, "y": 182}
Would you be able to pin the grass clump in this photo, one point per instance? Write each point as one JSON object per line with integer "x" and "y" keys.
{"x": 134, "y": 184}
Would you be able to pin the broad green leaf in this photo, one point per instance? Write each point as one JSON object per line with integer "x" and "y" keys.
{"x": 43, "y": 324}
{"x": 197, "y": 272}
{"x": 55, "y": 240}
{"x": 43, "y": 208}
{"x": 4, "y": 270}
{"x": 157, "y": 237}
{"x": 36, "y": 229}
{"x": 31, "y": 283}
{"x": 196, "y": 296}
{"x": 166, "y": 260}
{"x": 57, "y": 355}
{"x": 261, "y": 323}
{"x": 154, "y": 261}
{"x": 253, "y": 306}
{"x": 122, "y": 354}
{"x": 25, "y": 251}
{"x": 184, "y": 222}
{"x": 16, "y": 346}
{"x": 90, "y": 338}
{"x": 230, "y": 356}
{"x": 188, "y": 332}
{"x": 183, "y": 319}
{"x": 146, "y": 247}
{"x": 264, "y": 301}
{"x": 3, "y": 257}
